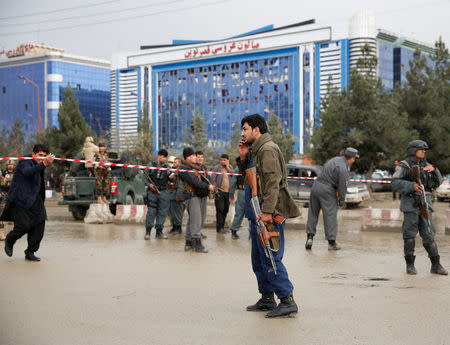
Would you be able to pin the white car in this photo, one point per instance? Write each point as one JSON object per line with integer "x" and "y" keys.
{"x": 443, "y": 191}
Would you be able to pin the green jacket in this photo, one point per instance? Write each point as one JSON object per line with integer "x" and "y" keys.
{"x": 272, "y": 184}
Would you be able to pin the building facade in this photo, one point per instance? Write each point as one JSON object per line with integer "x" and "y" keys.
{"x": 283, "y": 72}
{"x": 267, "y": 73}
{"x": 32, "y": 86}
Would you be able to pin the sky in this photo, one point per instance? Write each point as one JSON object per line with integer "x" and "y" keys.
{"x": 99, "y": 28}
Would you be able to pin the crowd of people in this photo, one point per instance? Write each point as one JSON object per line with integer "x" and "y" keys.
{"x": 265, "y": 202}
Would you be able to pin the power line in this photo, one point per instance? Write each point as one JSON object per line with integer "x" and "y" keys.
{"x": 59, "y": 10}
{"x": 96, "y": 14}
{"x": 116, "y": 20}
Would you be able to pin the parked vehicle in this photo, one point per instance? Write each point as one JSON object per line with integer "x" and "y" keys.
{"x": 379, "y": 187}
{"x": 443, "y": 191}
{"x": 300, "y": 189}
{"x": 78, "y": 189}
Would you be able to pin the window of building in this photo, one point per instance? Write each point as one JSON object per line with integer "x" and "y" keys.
{"x": 4, "y": 89}
{"x": 78, "y": 87}
{"x": 26, "y": 107}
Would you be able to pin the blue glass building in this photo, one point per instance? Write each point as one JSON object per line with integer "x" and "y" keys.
{"x": 52, "y": 72}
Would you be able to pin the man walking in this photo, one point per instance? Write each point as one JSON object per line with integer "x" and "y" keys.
{"x": 404, "y": 182}
{"x": 26, "y": 201}
{"x": 204, "y": 200}
{"x": 194, "y": 190}
{"x": 158, "y": 196}
{"x": 275, "y": 200}
{"x": 328, "y": 194}
{"x": 238, "y": 183}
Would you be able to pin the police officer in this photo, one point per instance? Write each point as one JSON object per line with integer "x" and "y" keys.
{"x": 157, "y": 203}
{"x": 195, "y": 188}
{"x": 328, "y": 193}
{"x": 238, "y": 183}
{"x": 176, "y": 208}
{"x": 404, "y": 183}
{"x": 102, "y": 174}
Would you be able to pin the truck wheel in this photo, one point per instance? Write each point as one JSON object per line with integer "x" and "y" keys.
{"x": 129, "y": 200}
{"x": 79, "y": 213}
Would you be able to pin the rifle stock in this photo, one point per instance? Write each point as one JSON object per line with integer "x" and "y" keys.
{"x": 424, "y": 208}
{"x": 265, "y": 236}
{"x": 152, "y": 186}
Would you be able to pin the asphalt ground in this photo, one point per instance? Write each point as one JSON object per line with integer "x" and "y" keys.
{"x": 103, "y": 284}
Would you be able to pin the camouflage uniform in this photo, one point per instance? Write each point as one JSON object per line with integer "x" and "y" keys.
{"x": 6, "y": 180}
{"x": 102, "y": 175}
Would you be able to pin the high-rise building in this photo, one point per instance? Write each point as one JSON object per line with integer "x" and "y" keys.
{"x": 35, "y": 75}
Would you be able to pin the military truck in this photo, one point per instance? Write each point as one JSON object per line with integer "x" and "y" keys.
{"x": 126, "y": 186}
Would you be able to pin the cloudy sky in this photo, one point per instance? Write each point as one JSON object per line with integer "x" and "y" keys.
{"x": 97, "y": 28}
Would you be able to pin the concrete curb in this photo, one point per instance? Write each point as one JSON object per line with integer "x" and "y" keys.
{"x": 382, "y": 220}
{"x": 130, "y": 214}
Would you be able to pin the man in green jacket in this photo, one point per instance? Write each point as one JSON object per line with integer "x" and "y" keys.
{"x": 274, "y": 200}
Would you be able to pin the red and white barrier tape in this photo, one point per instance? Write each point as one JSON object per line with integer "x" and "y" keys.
{"x": 174, "y": 170}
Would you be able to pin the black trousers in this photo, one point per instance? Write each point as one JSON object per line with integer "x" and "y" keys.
{"x": 222, "y": 202}
{"x": 25, "y": 222}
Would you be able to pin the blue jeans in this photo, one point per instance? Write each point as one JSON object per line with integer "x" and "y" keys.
{"x": 268, "y": 282}
{"x": 239, "y": 210}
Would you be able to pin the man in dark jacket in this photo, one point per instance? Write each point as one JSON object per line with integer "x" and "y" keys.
{"x": 194, "y": 190}
{"x": 26, "y": 201}
{"x": 222, "y": 199}
{"x": 274, "y": 200}
{"x": 405, "y": 184}
{"x": 328, "y": 194}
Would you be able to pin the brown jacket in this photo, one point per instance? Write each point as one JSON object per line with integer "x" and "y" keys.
{"x": 271, "y": 172}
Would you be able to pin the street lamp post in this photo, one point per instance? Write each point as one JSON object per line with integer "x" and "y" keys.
{"x": 26, "y": 79}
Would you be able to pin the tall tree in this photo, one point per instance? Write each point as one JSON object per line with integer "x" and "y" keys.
{"x": 68, "y": 139}
{"x": 426, "y": 100}
{"x": 284, "y": 140}
{"x": 144, "y": 142}
{"x": 231, "y": 149}
{"x": 363, "y": 116}
{"x": 12, "y": 141}
{"x": 197, "y": 139}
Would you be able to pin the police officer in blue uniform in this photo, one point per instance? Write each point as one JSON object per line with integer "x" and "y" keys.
{"x": 158, "y": 204}
{"x": 404, "y": 183}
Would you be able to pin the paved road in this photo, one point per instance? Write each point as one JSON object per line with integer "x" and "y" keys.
{"x": 103, "y": 284}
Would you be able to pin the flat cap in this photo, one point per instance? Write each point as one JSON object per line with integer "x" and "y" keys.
{"x": 351, "y": 152}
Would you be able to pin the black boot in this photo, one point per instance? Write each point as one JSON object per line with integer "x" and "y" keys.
{"x": 309, "y": 241}
{"x": 333, "y": 245}
{"x": 31, "y": 257}
{"x": 410, "y": 268}
{"x": 433, "y": 254}
{"x": 265, "y": 303}
{"x": 286, "y": 308}
{"x": 221, "y": 231}
{"x": 160, "y": 234}
{"x": 436, "y": 266}
{"x": 188, "y": 245}
{"x": 148, "y": 229}
{"x": 8, "y": 247}
{"x": 408, "y": 248}
{"x": 198, "y": 246}
{"x": 234, "y": 235}
{"x": 178, "y": 229}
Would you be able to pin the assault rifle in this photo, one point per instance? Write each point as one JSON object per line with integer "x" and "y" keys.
{"x": 265, "y": 236}
{"x": 211, "y": 195}
{"x": 424, "y": 208}
{"x": 152, "y": 186}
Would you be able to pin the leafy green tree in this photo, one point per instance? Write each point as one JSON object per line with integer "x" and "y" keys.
{"x": 12, "y": 141}
{"x": 363, "y": 116}
{"x": 426, "y": 100}
{"x": 68, "y": 139}
{"x": 197, "y": 139}
{"x": 144, "y": 143}
{"x": 284, "y": 140}
{"x": 231, "y": 149}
